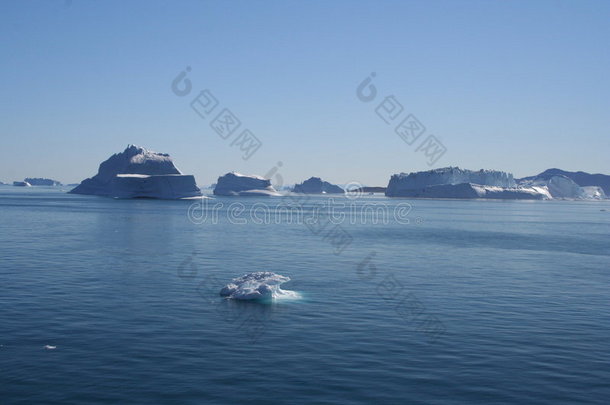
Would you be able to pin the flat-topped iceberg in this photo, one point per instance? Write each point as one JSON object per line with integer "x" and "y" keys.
{"x": 21, "y": 184}
{"x": 453, "y": 182}
{"x": 315, "y": 185}
{"x": 449, "y": 175}
{"x": 260, "y": 285}
{"x": 237, "y": 184}
{"x": 37, "y": 181}
{"x": 139, "y": 173}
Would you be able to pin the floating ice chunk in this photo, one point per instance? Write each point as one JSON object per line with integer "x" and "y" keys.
{"x": 260, "y": 285}
{"x": 49, "y": 347}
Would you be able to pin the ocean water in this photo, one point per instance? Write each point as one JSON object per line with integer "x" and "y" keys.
{"x": 411, "y": 301}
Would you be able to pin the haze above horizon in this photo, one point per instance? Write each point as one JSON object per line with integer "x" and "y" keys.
{"x": 513, "y": 86}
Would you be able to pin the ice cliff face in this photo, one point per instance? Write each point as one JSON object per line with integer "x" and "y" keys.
{"x": 453, "y": 182}
{"x": 563, "y": 187}
{"x": 139, "y": 173}
{"x": 315, "y": 185}
{"x": 237, "y": 184}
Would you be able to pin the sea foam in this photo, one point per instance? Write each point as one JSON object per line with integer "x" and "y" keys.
{"x": 260, "y": 285}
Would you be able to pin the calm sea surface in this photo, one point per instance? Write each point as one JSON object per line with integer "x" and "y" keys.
{"x": 448, "y": 302}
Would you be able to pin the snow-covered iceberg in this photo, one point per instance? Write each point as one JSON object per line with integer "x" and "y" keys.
{"x": 315, "y": 185}
{"x": 260, "y": 285}
{"x": 453, "y": 182}
{"x": 139, "y": 173}
{"x": 583, "y": 179}
{"x": 37, "y": 181}
{"x": 563, "y": 187}
{"x": 237, "y": 184}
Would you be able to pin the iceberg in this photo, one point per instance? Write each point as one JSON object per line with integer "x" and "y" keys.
{"x": 583, "y": 179}
{"x": 36, "y": 181}
{"x": 139, "y": 173}
{"x": 564, "y": 187}
{"x": 260, "y": 285}
{"x": 449, "y": 175}
{"x": 237, "y": 184}
{"x": 315, "y": 185}
{"x": 21, "y": 184}
{"x": 453, "y": 182}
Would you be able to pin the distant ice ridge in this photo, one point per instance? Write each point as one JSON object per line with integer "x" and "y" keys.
{"x": 260, "y": 285}
{"x": 139, "y": 173}
{"x": 237, "y": 184}
{"x": 37, "y": 181}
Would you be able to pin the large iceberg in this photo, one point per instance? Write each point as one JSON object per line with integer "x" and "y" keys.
{"x": 450, "y": 175}
{"x": 315, "y": 185}
{"x": 563, "y": 187}
{"x": 237, "y": 184}
{"x": 139, "y": 173}
{"x": 583, "y": 179}
{"x": 37, "y": 181}
{"x": 453, "y": 182}
{"x": 260, "y": 285}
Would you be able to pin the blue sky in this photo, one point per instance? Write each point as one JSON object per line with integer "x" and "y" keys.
{"x": 519, "y": 86}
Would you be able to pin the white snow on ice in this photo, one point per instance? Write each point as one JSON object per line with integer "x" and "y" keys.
{"x": 260, "y": 285}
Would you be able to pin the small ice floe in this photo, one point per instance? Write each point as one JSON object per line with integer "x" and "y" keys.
{"x": 49, "y": 347}
{"x": 260, "y": 285}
